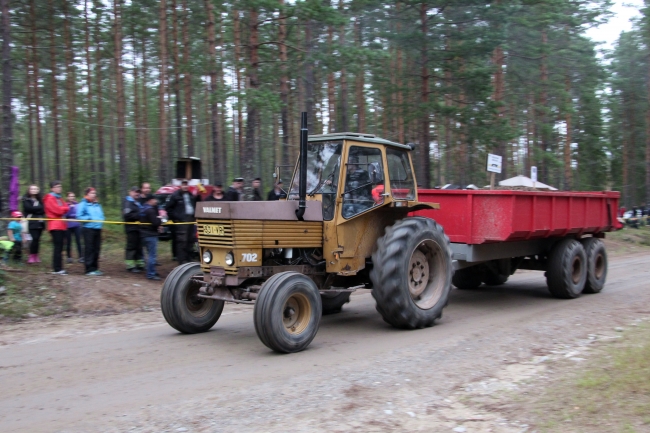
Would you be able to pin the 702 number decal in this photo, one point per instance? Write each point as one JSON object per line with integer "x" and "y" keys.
{"x": 249, "y": 257}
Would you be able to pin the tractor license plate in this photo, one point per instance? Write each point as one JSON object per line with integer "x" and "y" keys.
{"x": 215, "y": 230}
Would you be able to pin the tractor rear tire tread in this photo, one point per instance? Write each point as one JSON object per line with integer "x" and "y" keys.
{"x": 389, "y": 273}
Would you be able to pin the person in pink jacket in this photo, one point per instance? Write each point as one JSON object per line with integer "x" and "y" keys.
{"x": 56, "y": 207}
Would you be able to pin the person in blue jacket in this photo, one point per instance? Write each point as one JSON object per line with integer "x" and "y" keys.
{"x": 90, "y": 210}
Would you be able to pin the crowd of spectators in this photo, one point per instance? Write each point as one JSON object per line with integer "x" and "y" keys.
{"x": 69, "y": 222}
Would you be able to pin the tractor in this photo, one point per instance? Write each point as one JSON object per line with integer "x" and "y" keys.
{"x": 345, "y": 225}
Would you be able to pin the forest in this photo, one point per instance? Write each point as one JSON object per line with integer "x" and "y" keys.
{"x": 109, "y": 93}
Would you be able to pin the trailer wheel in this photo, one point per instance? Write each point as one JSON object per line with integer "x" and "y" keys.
{"x": 567, "y": 269}
{"x": 467, "y": 278}
{"x": 596, "y": 264}
{"x": 412, "y": 272}
{"x": 180, "y": 305}
{"x": 494, "y": 279}
{"x": 334, "y": 302}
{"x": 287, "y": 312}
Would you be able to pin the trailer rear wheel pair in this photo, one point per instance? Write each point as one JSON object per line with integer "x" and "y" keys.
{"x": 573, "y": 267}
{"x": 410, "y": 289}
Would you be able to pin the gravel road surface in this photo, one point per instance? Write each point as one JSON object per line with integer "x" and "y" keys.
{"x": 132, "y": 372}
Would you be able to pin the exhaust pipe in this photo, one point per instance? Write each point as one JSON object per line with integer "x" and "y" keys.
{"x": 302, "y": 186}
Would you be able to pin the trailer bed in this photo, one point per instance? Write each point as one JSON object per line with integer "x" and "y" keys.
{"x": 478, "y": 217}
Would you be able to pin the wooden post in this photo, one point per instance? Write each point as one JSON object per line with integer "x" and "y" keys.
{"x": 492, "y": 180}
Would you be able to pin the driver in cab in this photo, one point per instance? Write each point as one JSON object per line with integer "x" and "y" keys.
{"x": 358, "y": 189}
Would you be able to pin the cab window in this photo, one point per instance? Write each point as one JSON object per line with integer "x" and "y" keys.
{"x": 364, "y": 181}
{"x": 402, "y": 183}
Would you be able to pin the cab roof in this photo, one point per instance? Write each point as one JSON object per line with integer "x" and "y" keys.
{"x": 355, "y": 136}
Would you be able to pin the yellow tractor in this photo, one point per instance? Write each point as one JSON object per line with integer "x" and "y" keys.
{"x": 345, "y": 225}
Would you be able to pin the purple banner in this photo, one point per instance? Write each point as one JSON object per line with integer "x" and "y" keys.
{"x": 13, "y": 189}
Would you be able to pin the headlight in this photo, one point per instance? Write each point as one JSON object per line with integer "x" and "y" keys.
{"x": 230, "y": 259}
{"x": 207, "y": 256}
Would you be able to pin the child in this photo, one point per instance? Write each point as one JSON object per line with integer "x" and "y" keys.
{"x": 14, "y": 231}
{"x": 5, "y": 248}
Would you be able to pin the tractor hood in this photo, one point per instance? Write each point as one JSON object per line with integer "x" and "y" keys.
{"x": 257, "y": 210}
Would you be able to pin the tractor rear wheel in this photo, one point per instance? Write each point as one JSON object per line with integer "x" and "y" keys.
{"x": 287, "y": 312}
{"x": 567, "y": 269}
{"x": 334, "y": 302}
{"x": 411, "y": 275}
{"x": 596, "y": 264}
{"x": 181, "y": 305}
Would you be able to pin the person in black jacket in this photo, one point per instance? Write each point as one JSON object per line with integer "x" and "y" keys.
{"x": 217, "y": 193}
{"x": 257, "y": 192}
{"x": 235, "y": 191}
{"x": 131, "y": 208}
{"x": 277, "y": 193}
{"x": 33, "y": 207}
{"x": 149, "y": 234}
{"x": 180, "y": 209}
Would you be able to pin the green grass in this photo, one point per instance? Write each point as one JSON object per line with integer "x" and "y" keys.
{"x": 612, "y": 394}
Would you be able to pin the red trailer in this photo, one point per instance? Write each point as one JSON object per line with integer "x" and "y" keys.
{"x": 494, "y": 233}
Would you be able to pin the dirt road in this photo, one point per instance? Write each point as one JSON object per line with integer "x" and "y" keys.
{"x": 134, "y": 373}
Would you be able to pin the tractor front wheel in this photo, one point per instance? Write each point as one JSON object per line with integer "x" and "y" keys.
{"x": 181, "y": 306}
{"x": 287, "y": 312}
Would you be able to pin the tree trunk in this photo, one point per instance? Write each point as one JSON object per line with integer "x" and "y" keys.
{"x": 89, "y": 99}
{"x": 309, "y": 75}
{"x": 100, "y": 106}
{"x": 119, "y": 84}
{"x": 647, "y": 145}
{"x": 240, "y": 117}
{"x": 187, "y": 81}
{"x": 30, "y": 117}
{"x": 71, "y": 90}
{"x": 37, "y": 97}
{"x": 218, "y": 162}
{"x": 568, "y": 180}
{"x": 424, "y": 161}
{"x": 7, "y": 151}
{"x": 498, "y": 60}
{"x": 284, "y": 85}
{"x": 252, "y": 117}
{"x": 177, "y": 82}
{"x": 145, "y": 109}
{"x": 55, "y": 94}
{"x": 360, "y": 84}
{"x": 331, "y": 86}
{"x": 343, "y": 95}
{"x": 543, "y": 101}
{"x": 162, "y": 91}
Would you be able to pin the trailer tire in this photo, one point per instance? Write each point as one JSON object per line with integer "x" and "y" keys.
{"x": 287, "y": 312}
{"x": 180, "y": 305}
{"x": 494, "y": 279}
{"x": 412, "y": 271}
{"x": 467, "y": 278}
{"x": 567, "y": 269}
{"x": 333, "y": 303}
{"x": 596, "y": 264}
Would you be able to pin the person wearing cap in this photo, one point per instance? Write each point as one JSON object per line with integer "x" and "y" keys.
{"x": 148, "y": 232}
{"x": 56, "y": 208}
{"x": 74, "y": 228}
{"x": 277, "y": 192}
{"x": 236, "y": 190}
{"x": 14, "y": 232}
{"x": 217, "y": 193}
{"x": 131, "y": 210}
{"x": 180, "y": 209}
{"x": 91, "y": 211}
{"x": 257, "y": 193}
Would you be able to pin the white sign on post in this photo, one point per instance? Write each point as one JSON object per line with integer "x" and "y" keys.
{"x": 494, "y": 163}
{"x": 533, "y": 173}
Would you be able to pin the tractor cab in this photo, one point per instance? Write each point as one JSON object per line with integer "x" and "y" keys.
{"x": 356, "y": 173}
